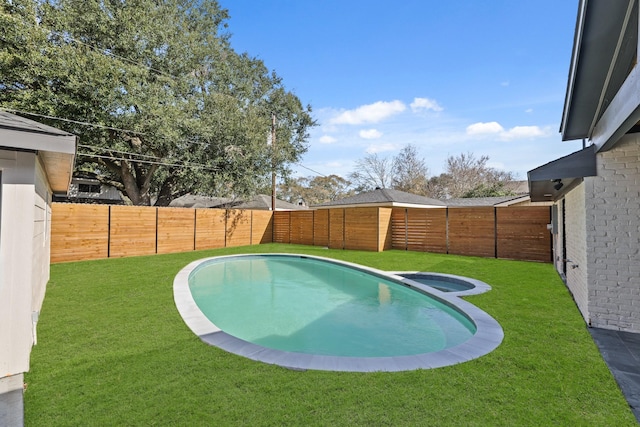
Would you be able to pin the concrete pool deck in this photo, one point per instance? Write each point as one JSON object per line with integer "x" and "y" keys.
{"x": 488, "y": 336}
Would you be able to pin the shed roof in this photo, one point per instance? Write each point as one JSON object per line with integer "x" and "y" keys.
{"x": 384, "y": 197}
{"x": 57, "y": 148}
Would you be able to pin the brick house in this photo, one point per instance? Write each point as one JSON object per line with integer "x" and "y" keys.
{"x": 596, "y": 191}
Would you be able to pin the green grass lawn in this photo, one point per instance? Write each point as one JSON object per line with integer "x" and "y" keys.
{"x": 113, "y": 350}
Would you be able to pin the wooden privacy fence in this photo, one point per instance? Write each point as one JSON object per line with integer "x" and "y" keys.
{"x": 509, "y": 232}
{"x": 366, "y": 229}
{"x": 505, "y": 232}
{"x": 81, "y": 231}
{"x": 84, "y": 231}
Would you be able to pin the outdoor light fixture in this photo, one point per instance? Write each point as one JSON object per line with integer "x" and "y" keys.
{"x": 558, "y": 184}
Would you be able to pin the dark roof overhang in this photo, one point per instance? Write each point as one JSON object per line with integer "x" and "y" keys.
{"x": 604, "y": 52}
{"x": 552, "y": 180}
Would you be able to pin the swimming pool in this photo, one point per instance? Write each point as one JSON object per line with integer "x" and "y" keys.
{"x": 306, "y": 312}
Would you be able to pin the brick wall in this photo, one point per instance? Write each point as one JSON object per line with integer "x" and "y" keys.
{"x": 576, "y": 237}
{"x": 613, "y": 239}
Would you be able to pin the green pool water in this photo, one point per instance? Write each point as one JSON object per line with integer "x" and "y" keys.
{"x": 313, "y": 306}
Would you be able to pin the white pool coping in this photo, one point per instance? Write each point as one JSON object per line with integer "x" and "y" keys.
{"x": 488, "y": 336}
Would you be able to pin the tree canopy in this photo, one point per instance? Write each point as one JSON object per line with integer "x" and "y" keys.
{"x": 372, "y": 171}
{"x": 173, "y": 108}
{"x": 469, "y": 176}
{"x": 315, "y": 190}
{"x": 465, "y": 176}
{"x": 410, "y": 173}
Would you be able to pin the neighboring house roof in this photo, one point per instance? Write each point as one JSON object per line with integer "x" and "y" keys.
{"x": 195, "y": 201}
{"x": 259, "y": 202}
{"x": 263, "y": 202}
{"x": 56, "y": 147}
{"x": 486, "y": 201}
{"x": 384, "y": 197}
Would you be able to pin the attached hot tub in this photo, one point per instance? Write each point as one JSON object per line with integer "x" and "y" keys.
{"x": 449, "y": 283}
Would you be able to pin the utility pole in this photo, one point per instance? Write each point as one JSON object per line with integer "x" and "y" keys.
{"x": 273, "y": 162}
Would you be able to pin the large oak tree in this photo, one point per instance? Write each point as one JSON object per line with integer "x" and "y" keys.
{"x": 178, "y": 109}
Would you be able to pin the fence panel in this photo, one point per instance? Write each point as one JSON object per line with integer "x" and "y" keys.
{"x": 522, "y": 233}
{"x": 321, "y": 227}
{"x": 427, "y": 230}
{"x": 132, "y": 231}
{"x": 281, "y": 227}
{"x": 399, "y": 228}
{"x": 361, "y": 229}
{"x": 210, "y": 228}
{"x": 301, "y": 230}
{"x": 472, "y": 231}
{"x": 238, "y": 227}
{"x": 176, "y": 230}
{"x": 336, "y": 228}
{"x": 79, "y": 232}
{"x": 261, "y": 227}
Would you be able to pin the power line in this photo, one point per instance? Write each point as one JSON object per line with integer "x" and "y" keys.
{"x": 67, "y": 36}
{"x": 159, "y": 159}
{"x": 124, "y": 152}
{"x": 95, "y": 147}
{"x": 190, "y": 141}
{"x": 77, "y": 122}
{"x": 314, "y": 171}
{"x": 107, "y": 52}
{"x": 184, "y": 165}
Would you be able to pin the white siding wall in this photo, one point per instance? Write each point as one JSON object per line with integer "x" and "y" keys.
{"x": 41, "y": 238}
{"x": 25, "y": 230}
{"x": 576, "y": 231}
{"x": 16, "y": 251}
{"x": 613, "y": 243}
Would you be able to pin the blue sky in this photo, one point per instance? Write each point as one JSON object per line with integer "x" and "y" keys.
{"x": 449, "y": 77}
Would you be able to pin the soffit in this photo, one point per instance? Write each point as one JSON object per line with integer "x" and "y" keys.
{"x": 550, "y": 181}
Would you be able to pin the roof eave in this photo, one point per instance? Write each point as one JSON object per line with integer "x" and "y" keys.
{"x": 550, "y": 181}
{"x": 599, "y": 27}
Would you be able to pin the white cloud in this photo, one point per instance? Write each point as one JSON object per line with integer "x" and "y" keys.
{"x": 516, "y": 132}
{"x": 371, "y": 113}
{"x": 505, "y": 83}
{"x": 380, "y": 148}
{"x": 523, "y": 132}
{"x": 419, "y": 104}
{"x": 370, "y": 134}
{"x": 484, "y": 128}
{"x": 529, "y": 110}
{"x": 326, "y": 139}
